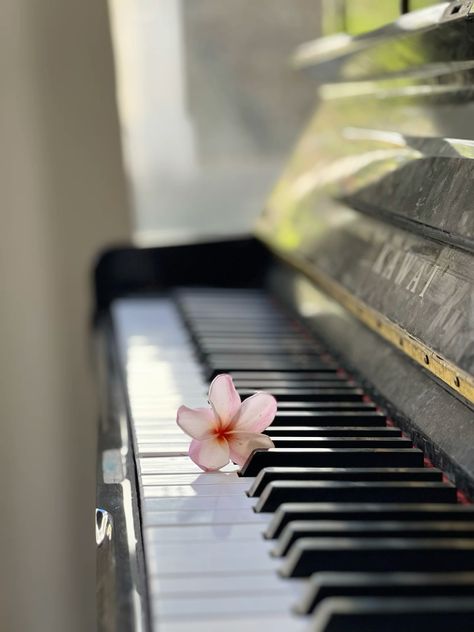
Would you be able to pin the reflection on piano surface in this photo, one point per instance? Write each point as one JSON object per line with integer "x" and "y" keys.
{"x": 355, "y": 309}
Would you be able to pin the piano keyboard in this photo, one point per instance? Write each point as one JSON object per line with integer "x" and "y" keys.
{"x": 342, "y": 527}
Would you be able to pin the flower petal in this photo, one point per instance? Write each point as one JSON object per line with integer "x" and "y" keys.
{"x": 210, "y": 454}
{"x": 223, "y": 398}
{"x": 256, "y": 413}
{"x": 198, "y": 423}
{"x": 242, "y": 444}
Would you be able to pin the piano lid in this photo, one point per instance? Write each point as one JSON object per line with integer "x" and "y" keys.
{"x": 376, "y": 203}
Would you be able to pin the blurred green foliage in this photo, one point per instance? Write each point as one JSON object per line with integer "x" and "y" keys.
{"x": 360, "y": 16}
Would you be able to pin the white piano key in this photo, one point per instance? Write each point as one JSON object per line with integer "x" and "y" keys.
{"x": 185, "y": 558}
{"x": 176, "y": 465}
{"x": 145, "y": 437}
{"x": 163, "y": 447}
{"x": 168, "y": 409}
{"x": 172, "y": 401}
{"x": 203, "y": 533}
{"x": 249, "y": 623}
{"x": 159, "y": 439}
{"x": 149, "y": 383}
{"x": 216, "y": 478}
{"x": 203, "y": 503}
{"x": 161, "y": 426}
{"x": 204, "y": 516}
{"x": 170, "y": 433}
{"x": 154, "y": 415}
{"x": 165, "y": 450}
{"x": 244, "y": 583}
{"x": 160, "y": 430}
{"x": 228, "y": 605}
{"x": 199, "y": 491}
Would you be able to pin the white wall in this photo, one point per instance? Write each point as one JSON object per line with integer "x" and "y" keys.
{"x": 62, "y": 197}
{"x": 210, "y": 107}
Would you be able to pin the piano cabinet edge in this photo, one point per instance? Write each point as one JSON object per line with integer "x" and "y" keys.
{"x": 121, "y": 596}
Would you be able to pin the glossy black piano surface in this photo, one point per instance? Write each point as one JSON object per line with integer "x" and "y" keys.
{"x": 355, "y": 308}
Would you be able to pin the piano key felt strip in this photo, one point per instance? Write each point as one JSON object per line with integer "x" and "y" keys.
{"x": 341, "y": 526}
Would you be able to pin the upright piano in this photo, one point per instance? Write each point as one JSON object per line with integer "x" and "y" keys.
{"x": 353, "y": 304}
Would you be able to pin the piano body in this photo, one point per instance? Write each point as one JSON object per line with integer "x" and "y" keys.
{"x": 354, "y": 306}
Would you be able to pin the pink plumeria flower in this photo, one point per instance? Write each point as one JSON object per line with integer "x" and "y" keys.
{"x": 230, "y": 429}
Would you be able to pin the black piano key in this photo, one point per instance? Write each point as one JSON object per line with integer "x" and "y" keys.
{"x": 339, "y": 406}
{"x": 261, "y": 338}
{"x": 343, "y": 394}
{"x": 258, "y": 348}
{"x": 269, "y": 385}
{"x": 224, "y": 363}
{"x": 309, "y": 555}
{"x": 331, "y": 431}
{"x": 246, "y": 319}
{"x": 359, "y": 614}
{"x": 279, "y": 492}
{"x": 201, "y": 295}
{"x": 241, "y": 319}
{"x": 326, "y": 585}
{"x": 369, "y": 529}
{"x": 334, "y": 418}
{"x": 331, "y": 457}
{"x": 342, "y": 442}
{"x": 227, "y": 301}
{"x": 250, "y": 315}
{"x": 227, "y": 329}
{"x": 224, "y": 298}
{"x": 251, "y": 349}
{"x": 265, "y": 345}
{"x": 219, "y": 312}
{"x": 232, "y": 306}
{"x": 217, "y": 366}
{"x": 269, "y": 474}
{"x": 257, "y": 352}
{"x": 366, "y": 511}
{"x": 258, "y": 376}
